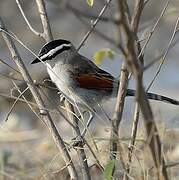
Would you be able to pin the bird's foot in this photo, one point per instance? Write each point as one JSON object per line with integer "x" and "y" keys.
{"x": 62, "y": 97}
{"x": 77, "y": 142}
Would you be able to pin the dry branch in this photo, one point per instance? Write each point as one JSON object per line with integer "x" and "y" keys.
{"x": 46, "y": 116}
{"x": 80, "y": 148}
{"x": 135, "y": 67}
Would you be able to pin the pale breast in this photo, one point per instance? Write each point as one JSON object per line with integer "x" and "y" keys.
{"x": 60, "y": 75}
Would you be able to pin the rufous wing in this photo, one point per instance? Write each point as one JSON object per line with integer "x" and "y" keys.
{"x": 94, "y": 81}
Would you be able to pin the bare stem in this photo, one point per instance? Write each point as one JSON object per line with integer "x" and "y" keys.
{"x": 80, "y": 148}
{"x": 138, "y": 8}
{"x": 94, "y": 24}
{"x": 135, "y": 67}
{"x": 44, "y": 113}
{"x": 47, "y": 34}
{"x": 26, "y": 20}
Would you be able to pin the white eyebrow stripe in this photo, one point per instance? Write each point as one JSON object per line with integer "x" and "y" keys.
{"x": 53, "y": 51}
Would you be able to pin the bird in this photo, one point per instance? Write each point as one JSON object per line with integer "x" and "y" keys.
{"x": 80, "y": 81}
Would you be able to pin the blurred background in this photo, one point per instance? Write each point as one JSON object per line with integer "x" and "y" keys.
{"x": 24, "y": 134}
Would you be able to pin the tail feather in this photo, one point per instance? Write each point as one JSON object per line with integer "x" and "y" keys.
{"x": 131, "y": 92}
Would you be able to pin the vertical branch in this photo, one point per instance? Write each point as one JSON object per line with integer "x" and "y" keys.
{"x": 118, "y": 111}
{"x": 135, "y": 67}
{"x": 44, "y": 113}
{"x": 124, "y": 77}
{"x": 48, "y": 37}
{"x": 138, "y": 8}
{"x": 47, "y": 34}
{"x": 80, "y": 148}
{"x": 140, "y": 56}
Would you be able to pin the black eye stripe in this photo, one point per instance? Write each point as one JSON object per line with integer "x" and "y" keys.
{"x": 52, "y": 49}
{"x": 51, "y": 56}
{"x": 54, "y": 45}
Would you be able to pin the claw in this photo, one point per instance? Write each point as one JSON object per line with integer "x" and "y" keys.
{"x": 77, "y": 142}
{"x": 62, "y": 97}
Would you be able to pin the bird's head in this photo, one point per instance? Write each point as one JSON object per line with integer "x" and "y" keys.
{"x": 56, "y": 49}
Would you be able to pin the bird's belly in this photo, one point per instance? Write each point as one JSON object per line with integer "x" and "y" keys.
{"x": 60, "y": 76}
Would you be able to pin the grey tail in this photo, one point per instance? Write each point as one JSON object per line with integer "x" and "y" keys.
{"x": 131, "y": 92}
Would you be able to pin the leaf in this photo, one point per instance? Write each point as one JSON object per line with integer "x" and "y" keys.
{"x": 90, "y": 2}
{"x": 101, "y": 54}
{"x": 171, "y": 11}
{"x": 110, "y": 54}
{"x": 108, "y": 171}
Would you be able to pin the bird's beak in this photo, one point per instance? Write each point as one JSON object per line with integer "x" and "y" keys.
{"x": 35, "y": 61}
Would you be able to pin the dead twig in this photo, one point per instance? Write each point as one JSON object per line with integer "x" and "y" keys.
{"x": 135, "y": 67}
{"x": 80, "y": 149}
{"x": 27, "y": 21}
{"x": 45, "y": 114}
{"x": 15, "y": 102}
{"x": 138, "y": 9}
{"x": 165, "y": 54}
{"x": 94, "y": 24}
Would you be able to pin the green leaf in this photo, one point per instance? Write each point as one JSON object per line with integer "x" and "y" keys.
{"x": 90, "y": 2}
{"x": 171, "y": 11}
{"x": 110, "y": 54}
{"x": 108, "y": 171}
{"x": 101, "y": 54}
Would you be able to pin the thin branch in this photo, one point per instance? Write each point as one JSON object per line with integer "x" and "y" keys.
{"x": 172, "y": 164}
{"x": 159, "y": 57}
{"x": 124, "y": 80}
{"x": 47, "y": 34}
{"x": 100, "y": 34}
{"x": 48, "y": 37}
{"x": 94, "y": 24}
{"x": 118, "y": 111}
{"x": 14, "y": 104}
{"x": 80, "y": 150}
{"x": 6, "y": 96}
{"x": 154, "y": 28}
{"x": 94, "y": 155}
{"x": 44, "y": 113}
{"x": 151, "y": 33}
{"x": 3, "y": 62}
{"x": 88, "y": 15}
{"x": 165, "y": 54}
{"x": 26, "y": 20}
{"x": 138, "y": 9}
{"x": 135, "y": 67}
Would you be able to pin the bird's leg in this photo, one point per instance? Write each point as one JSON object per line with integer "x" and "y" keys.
{"x": 62, "y": 97}
{"x": 79, "y": 139}
{"x": 91, "y": 116}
